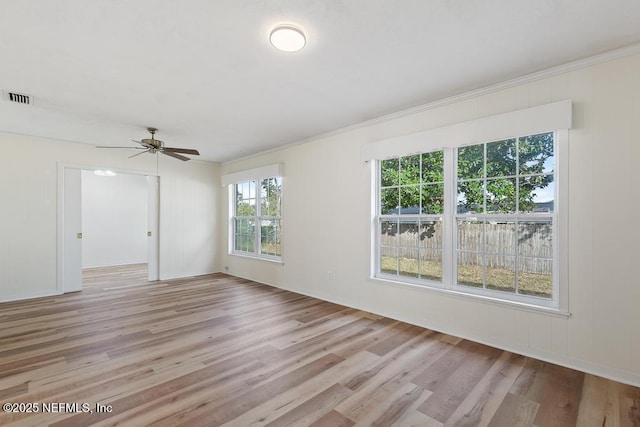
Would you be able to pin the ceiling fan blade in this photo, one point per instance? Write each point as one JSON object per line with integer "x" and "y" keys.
{"x": 130, "y": 148}
{"x": 181, "y": 150}
{"x": 137, "y": 154}
{"x": 174, "y": 155}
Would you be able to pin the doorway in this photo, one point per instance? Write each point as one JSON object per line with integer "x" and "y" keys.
{"x": 114, "y": 213}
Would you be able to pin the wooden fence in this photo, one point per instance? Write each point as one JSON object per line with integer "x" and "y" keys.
{"x": 531, "y": 241}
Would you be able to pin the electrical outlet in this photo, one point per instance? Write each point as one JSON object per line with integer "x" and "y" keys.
{"x": 329, "y": 275}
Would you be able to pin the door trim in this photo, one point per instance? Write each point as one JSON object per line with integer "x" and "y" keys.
{"x": 61, "y": 215}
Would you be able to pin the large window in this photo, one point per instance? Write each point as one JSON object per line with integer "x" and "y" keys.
{"x": 478, "y": 219}
{"x": 257, "y": 218}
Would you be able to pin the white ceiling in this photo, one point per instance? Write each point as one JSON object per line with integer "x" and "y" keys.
{"x": 204, "y": 73}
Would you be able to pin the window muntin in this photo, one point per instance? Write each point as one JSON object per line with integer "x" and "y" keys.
{"x": 501, "y": 217}
{"x": 257, "y": 220}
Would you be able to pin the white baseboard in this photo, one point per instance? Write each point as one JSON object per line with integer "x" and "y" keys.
{"x": 21, "y": 297}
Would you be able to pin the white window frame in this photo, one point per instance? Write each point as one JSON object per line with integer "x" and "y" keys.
{"x": 515, "y": 217}
{"x": 256, "y": 176}
{"x": 379, "y": 217}
{"x": 470, "y": 133}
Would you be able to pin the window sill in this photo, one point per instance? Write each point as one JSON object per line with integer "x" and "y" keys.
{"x": 551, "y": 311}
{"x": 274, "y": 260}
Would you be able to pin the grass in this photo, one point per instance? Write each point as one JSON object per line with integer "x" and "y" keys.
{"x": 270, "y": 249}
{"x": 429, "y": 270}
{"x": 499, "y": 279}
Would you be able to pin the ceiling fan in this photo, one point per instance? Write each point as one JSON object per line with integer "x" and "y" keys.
{"x": 153, "y": 145}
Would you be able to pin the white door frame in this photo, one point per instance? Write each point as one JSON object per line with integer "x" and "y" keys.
{"x": 153, "y": 209}
{"x": 70, "y": 231}
{"x": 153, "y": 227}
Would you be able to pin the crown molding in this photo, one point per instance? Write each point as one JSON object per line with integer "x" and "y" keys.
{"x": 527, "y": 78}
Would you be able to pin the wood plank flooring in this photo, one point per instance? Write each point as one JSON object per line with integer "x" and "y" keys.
{"x": 218, "y": 350}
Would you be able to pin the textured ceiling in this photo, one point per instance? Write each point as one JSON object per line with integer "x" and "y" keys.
{"x": 204, "y": 73}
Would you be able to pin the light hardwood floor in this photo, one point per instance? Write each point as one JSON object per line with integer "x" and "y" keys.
{"x": 218, "y": 350}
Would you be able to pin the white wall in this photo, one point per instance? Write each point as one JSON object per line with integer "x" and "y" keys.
{"x": 114, "y": 219}
{"x": 327, "y": 211}
{"x": 189, "y": 194}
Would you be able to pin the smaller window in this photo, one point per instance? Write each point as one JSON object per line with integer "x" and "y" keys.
{"x": 257, "y": 218}
{"x": 506, "y": 217}
{"x": 410, "y": 207}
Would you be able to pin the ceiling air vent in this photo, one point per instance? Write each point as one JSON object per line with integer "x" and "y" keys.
{"x": 19, "y": 98}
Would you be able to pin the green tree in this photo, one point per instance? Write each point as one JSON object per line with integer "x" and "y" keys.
{"x": 246, "y": 198}
{"x": 509, "y": 165}
{"x": 414, "y": 184}
{"x": 271, "y": 196}
{"x": 270, "y": 206}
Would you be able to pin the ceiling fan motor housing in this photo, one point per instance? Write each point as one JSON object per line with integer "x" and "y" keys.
{"x": 156, "y": 143}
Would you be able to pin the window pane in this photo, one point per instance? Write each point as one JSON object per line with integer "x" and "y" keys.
{"x": 410, "y": 170}
{"x": 536, "y": 194}
{"x": 535, "y": 239}
{"x": 501, "y": 158}
{"x": 470, "y": 197}
{"x": 470, "y": 269}
{"x": 470, "y": 235}
{"x": 270, "y": 237}
{"x": 536, "y": 154}
{"x": 389, "y": 201}
{"x": 433, "y": 167}
{"x": 244, "y": 235}
{"x": 246, "y": 191}
{"x": 500, "y": 238}
{"x": 432, "y": 199}
{"x": 408, "y": 262}
{"x": 246, "y": 208}
{"x": 270, "y": 196}
{"x": 408, "y": 235}
{"x": 264, "y": 196}
{"x": 245, "y": 203}
{"x": 410, "y": 200}
{"x": 388, "y": 232}
{"x": 500, "y": 273}
{"x": 471, "y": 162}
{"x": 501, "y": 195}
{"x": 277, "y": 197}
{"x": 389, "y": 173}
{"x": 237, "y": 226}
{"x": 431, "y": 265}
{"x": 535, "y": 277}
{"x": 430, "y": 235}
{"x": 239, "y": 198}
{"x": 389, "y": 259}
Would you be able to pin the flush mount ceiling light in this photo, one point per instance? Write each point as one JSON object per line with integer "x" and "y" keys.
{"x": 104, "y": 173}
{"x": 287, "y": 38}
